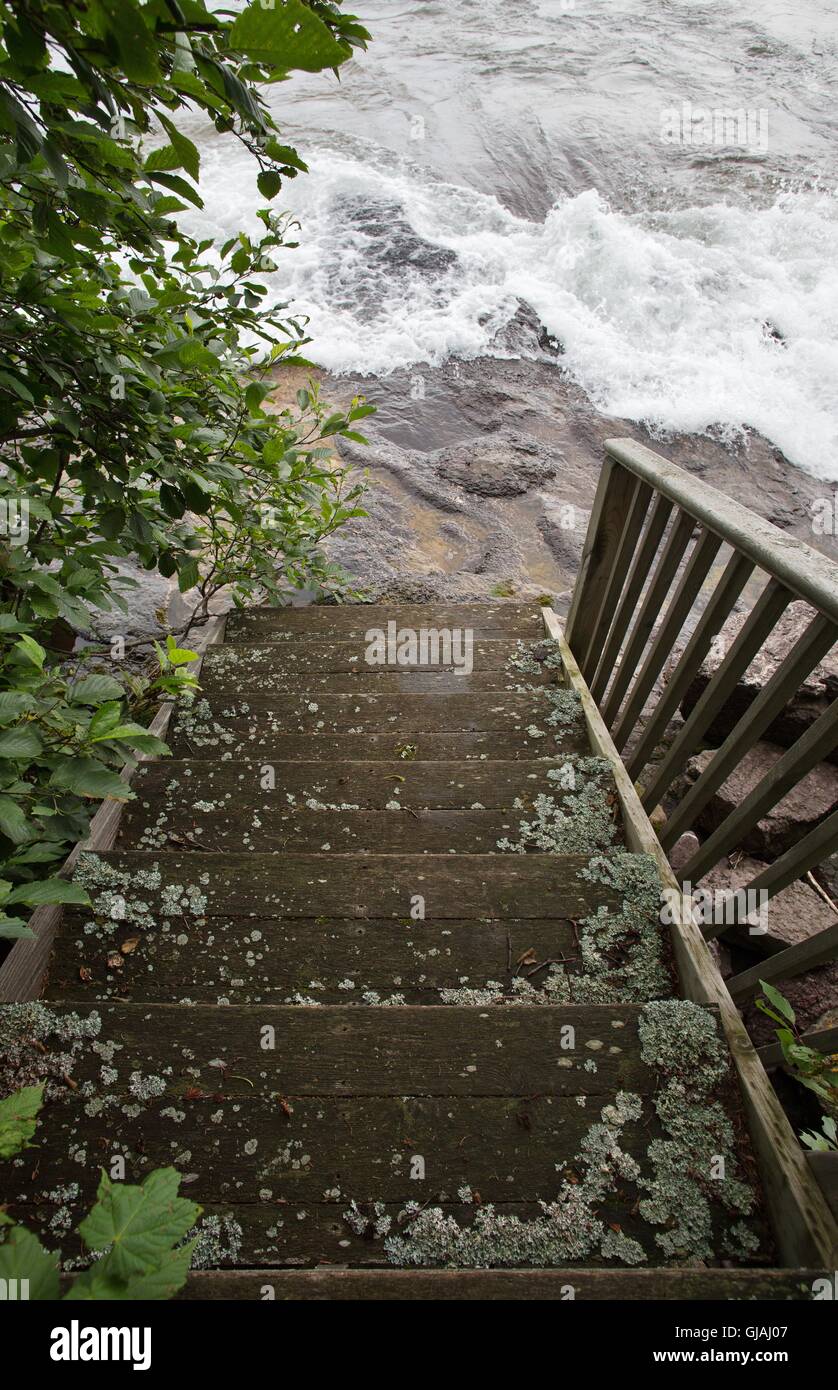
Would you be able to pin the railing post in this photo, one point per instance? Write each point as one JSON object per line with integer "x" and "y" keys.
{"x": 611, "y": 508}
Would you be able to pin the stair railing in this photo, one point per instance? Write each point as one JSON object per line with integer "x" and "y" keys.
{"x": 666, "y": 561}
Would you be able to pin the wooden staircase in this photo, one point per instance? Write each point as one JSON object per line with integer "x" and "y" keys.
{"x": 371, "y": 964}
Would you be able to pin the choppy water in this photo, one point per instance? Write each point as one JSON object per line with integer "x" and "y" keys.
{"x": 488, "y": 151}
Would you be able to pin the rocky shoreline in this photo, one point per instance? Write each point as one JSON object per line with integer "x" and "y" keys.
{"x": 482, "y": 476}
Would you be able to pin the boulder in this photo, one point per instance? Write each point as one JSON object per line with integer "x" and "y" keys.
{"x": 814, "y": 797}
{"x": 793, "y": 915}
{"x": 496, "y": 467}
{"x": 810, "y": 701}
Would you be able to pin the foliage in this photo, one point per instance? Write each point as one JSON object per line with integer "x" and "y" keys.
{"x": 817, "y": 1071}
{"x": 136, "y": 1233}
{"x": 136, "y": 422}
{"x": 18, "y": 1118}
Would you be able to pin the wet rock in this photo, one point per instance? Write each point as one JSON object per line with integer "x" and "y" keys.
{"x": 813, "y": 697}
{"x": 525, "y": 335}
{"x": 496, "y": 467}
{"x": 793, "y": 817}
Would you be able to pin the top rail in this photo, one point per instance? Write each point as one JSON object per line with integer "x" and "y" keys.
{"x": 802, "y": 569}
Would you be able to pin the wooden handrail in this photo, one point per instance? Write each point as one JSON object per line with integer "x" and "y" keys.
{"x": 809, "y": 574}
{"x": 647, "y": 594}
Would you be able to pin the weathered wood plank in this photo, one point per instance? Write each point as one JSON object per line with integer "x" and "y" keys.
{"x": 786, "y": 965}
{"x": 253, "y": 960}
{"x": 352, "y": 621}
{"x": 299, "y": 885}
{"x": 464, "y": 746}
{"x": 556, "y": 1285}
{"x": 273, "y": 831}
{"x": 360, "y": 1148}
{"x": 369, "y": 808}
{"x": 448, "y": 785}
{"x": 332, "y": 656}
{"x": 228, "y": 726}
{"x": 442, "y": 1051}
{"x": 241, "y": 681}
{"x": 600, "y": 553}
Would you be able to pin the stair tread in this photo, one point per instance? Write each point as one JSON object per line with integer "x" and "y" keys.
{"x": 329, "y": 961}
{"x": 369, "y": 807}
{"x": 354, "y": 621}
{"x": 540, "y": 886}
{"x": 686, "y": 1285}
{"x": 333, "y": 655}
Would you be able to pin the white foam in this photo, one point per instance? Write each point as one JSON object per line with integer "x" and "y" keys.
{"x": 662, "y": 316}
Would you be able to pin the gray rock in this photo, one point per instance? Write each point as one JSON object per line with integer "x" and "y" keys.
{"x": 793, "y": 817}
{"x": 506, "y": 467}
{"x": 793, "y": 915}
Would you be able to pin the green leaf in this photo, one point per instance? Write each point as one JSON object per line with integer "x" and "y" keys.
{"x": 13, "y": 703}
{"x": 269, "y": 183}
{"x": 187, "y": 153}
{"x": 20, "y": 743}
{"x": 104, "y": 721}
{"x": 168, "y": 1276}
{"x": 30, "y": 651}
{"x": 780, "y": 1003}
{"x": 179, "y": 656}
{"x": 288, "y": 36}
{"x": 92, "y": 690}
{"x": 123, "y": 21}
{"x": 49, "y": 891}
{"x": 13, "y": 929}
{"x": 141, "y": 1224}
{"x": 87, "y": 777}
{"x": 22, "y": 1256}
{"x": 13, "y": 822}
{"x": 18, "y": 1118}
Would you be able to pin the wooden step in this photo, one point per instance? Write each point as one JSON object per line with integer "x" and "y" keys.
{"x": 219, "y": 728}
{"x": 363, "y": 832}
{"x": 326, "y": 961}
{"x": 244, "y": 681}
{"x": 340, "y": 1051}
{"x": 532, "y": 886}
{"x": 340, "y": 1116}
{"x": 350, "y": 1148}
{"x": 374, "y": 807}
{"x": 420, "y": 784}
{"x": 538, "y": 1285}
{"x": 353, "y": 621}
{"x": 466, "y": 746}
{"x": 301, "y": 655}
